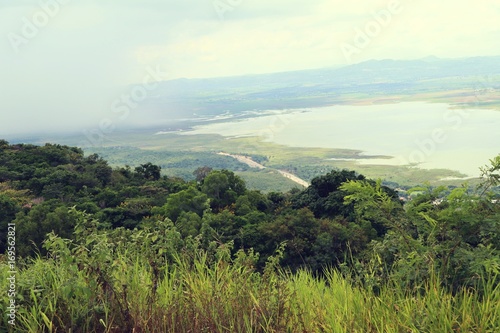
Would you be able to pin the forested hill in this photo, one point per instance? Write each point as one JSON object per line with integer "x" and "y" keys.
{"x": 107, "y": 246}
{"x": 340, "y": 213}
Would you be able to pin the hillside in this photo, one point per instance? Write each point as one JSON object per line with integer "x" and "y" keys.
{"x": 447, "y": 80}
{"x": 116, "y": 243}
{"x": 176, "y": 106}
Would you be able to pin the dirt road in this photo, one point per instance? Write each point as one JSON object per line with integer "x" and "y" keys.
{"x": 243, "y": 159}
{"x": 251, "y": 163}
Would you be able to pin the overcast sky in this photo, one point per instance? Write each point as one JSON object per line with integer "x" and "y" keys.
{"x": 63, "y": 65}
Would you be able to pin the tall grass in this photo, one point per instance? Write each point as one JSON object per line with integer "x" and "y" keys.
{"x": 203, "y": 294}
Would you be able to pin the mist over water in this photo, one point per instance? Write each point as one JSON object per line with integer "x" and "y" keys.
{"x": 432, "y": 135}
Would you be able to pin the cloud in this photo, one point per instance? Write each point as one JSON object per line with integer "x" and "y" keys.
{"x": 78, "y": 63}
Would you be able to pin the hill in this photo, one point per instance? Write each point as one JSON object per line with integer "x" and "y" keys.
{"x": 91, "y": 248}
{"x": 196, "y": 99}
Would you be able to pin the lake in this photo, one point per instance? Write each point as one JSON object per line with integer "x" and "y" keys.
{"x": 433, "y": 135}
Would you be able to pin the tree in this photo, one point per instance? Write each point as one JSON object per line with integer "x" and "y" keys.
{"x": 223, "y": 188}
{"x": 202, "y": 172}
{"x": 189, "y": 200}
{"x": 374, "y": 209}
{"x": 298, "y": 228}
{"x": 189, "y": 224}
{"x": 324, "y": 196}
{"x": 8, "y": 208}
{"x": 215, "y": 185}
{"x": 452, "y": 237}
{"x": 33, "y": 226}
{"x": 490, "y": 174}
{"x": 103, "y": 172}
{"x": 3, "y": 145}
{"x": 149, "y": 171}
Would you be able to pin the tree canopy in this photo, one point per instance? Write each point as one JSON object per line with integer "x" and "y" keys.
{"x": 341, "y": 220}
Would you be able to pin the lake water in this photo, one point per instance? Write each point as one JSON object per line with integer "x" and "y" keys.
{"x": 430, "y": 134}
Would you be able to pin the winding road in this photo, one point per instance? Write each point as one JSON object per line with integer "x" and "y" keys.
{"x": 251, "y": 163}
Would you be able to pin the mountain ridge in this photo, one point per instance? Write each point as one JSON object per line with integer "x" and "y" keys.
{"x": 374, "y": 79}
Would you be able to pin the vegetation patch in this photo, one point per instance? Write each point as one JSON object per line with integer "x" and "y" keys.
{"x": 123, "y": 249}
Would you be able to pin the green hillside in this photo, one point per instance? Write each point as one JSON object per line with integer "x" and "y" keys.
{"x": 96, "y": 247}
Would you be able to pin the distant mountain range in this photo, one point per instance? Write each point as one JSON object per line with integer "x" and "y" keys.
{"x": 200, "y": 98}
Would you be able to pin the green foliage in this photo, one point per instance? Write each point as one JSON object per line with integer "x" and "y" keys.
{"x": 149, "y": 280}
{"x": 32, "y": 226}
{"x": 42, "y": 179}
{"x": 201, "y": 172}
{"x": 324, "y": 197}
{"x": 133, "y": 249}
{"x": 177, "y": 162}
{"x": 490, "y": 174}
{"x": 223, "y": 188}
{"x": 149, "y": 171}
{"x": 374, "y": 207}
{"x": 188, "y": 200}
{"x": 445, "y": 236}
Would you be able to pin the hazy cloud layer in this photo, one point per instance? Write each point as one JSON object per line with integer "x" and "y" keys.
{"x": 67, "y": 71}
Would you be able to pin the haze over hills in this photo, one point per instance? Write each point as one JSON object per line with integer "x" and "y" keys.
{"x": 373, "y": 79}
{"x": 180, "y": 103}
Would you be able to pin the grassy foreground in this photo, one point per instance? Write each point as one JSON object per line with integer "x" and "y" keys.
{"x": 96, "y": 287}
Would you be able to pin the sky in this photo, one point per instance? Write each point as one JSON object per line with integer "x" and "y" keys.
{"x": 63, "y": 63}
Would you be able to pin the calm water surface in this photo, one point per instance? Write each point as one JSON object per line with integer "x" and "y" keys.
{"x": 431, "y": 134}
